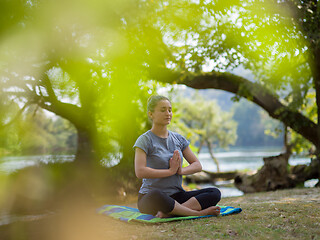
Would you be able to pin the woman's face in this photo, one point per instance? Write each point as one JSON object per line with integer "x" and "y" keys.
{"x": 162, "y": 114}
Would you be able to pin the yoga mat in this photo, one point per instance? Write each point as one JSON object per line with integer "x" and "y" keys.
{"x": 128, "y": 214}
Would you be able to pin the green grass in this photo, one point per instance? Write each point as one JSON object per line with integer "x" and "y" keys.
{"x": 286, "y": 214}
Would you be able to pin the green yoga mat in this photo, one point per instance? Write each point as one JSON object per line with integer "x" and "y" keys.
{"x": 128, "y": 214}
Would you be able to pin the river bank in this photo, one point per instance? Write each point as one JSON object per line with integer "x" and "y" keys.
{"x": 235, "y": 159}
{"x": 285, "y": 214}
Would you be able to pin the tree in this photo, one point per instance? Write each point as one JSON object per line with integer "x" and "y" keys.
{"x": 277, "y": 40}
{"x": 203, "y": 121}
{"x": 81, "y": 61}
{"x": 67, "y": 63}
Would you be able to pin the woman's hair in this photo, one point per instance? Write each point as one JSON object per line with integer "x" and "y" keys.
{"x": 153, "y": 101}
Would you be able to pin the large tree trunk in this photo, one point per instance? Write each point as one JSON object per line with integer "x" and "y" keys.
{"x": 85, "y": 146}
{"x": 84, "y": 123}
{"x": 315, "y": 68}
{"x": 275, "y": 174}
{"x": 272, "y": 176}
{"x": 302, "y": 173}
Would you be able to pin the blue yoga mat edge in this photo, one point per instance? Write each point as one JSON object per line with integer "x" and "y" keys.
{"x": 127, "y": 214}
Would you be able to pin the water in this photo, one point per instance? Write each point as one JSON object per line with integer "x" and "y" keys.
{"x": 226, "y": 191}
{"x": 233, "y": 160}
{"x": 243, "y": 160}
{"x": 12, "y": 164}
{"x": 239, "y": 160}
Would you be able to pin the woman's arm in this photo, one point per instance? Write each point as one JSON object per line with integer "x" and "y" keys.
{"x": 142, "y": 171}
{"x": 194, "y": 163}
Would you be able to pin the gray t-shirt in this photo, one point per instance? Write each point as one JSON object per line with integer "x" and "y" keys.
{"x": 159, "y": 151}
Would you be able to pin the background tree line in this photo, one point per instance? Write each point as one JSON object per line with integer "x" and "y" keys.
{"x": 53, "y": 135}
{"x": 45, "y": 135}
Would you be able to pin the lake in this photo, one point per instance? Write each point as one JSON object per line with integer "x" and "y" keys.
{"x": 232, "y": 160}
{"x": 243, "y": 159}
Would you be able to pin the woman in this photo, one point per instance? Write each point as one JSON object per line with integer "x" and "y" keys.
{"x": 158, "y": 161}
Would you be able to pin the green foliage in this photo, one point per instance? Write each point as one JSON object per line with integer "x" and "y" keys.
{"x": 200, "y": 120}
{"x": 86, "y": 62}
{"x": 36, "y": 133}
{"x": 89, "y": 62}
{"x": 276, "y": 41}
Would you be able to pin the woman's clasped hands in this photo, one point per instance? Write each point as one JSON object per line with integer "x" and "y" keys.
{"x": 175, "y": 163}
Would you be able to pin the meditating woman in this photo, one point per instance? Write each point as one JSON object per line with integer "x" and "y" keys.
{"x": 158, "y": 161}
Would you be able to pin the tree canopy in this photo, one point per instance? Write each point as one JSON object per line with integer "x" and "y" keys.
{"x": 277, "y": 40}
{"x": 82, "y": 61}
{"x": 86, "y": 61}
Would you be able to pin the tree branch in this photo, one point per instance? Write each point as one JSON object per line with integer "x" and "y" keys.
{"x": 16, "y": 117}
{"x": 254, "y": 92}
{"x": 68, "y": 111}
{"x": 47, "y": 84}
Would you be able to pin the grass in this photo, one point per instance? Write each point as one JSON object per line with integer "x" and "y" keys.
{"x": 285, "y": 214}
{"x": 289, "y": 214}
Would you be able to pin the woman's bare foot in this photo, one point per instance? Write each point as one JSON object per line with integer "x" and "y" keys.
{"x": 214, "y": 210}
{"x": 162, "y": 215}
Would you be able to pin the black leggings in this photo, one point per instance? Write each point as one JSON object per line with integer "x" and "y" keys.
{"x": 155, "y": 200}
